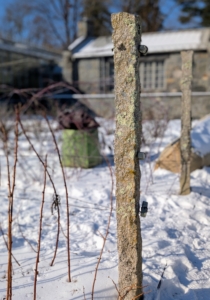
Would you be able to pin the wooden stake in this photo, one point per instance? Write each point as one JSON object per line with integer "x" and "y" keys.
{"x": 185, "y": 141}
{"x": 126, "y": 38}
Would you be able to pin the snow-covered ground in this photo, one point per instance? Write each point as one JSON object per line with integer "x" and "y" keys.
{"x": 175, "y": 232}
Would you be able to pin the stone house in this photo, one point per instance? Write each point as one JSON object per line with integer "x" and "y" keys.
{"x": 24, "y": 66}
{"x": 88, "y": 64}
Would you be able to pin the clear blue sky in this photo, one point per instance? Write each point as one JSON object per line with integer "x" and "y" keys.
{"x": 171, "y": 11}
{"x": 169, "y": 8}
{"x": 3, "y": 4}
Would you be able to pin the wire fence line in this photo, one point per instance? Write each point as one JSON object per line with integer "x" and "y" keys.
{"x": 80, "y": 200}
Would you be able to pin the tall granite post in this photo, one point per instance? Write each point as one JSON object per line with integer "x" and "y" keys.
{"x": 185, "y": 141}
{"x": 126, "y": 38}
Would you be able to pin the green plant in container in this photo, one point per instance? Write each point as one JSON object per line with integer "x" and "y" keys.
{"x": 80, "y": 148}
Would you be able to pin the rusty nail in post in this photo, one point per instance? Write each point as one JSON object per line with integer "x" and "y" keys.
{"x": 141, "y": 155}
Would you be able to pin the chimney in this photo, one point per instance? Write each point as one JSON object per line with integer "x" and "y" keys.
{"x": 85, "y": 28}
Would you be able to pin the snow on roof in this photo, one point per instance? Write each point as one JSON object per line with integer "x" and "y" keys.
{"x": 101, "y": 46}
{"x": 158, "y": 42}
{"x": 25, "y": 49}
{"x": 76, "y": 42}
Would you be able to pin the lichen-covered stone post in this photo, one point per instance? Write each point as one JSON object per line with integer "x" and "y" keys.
{"x": 185, "y": 141}
{"x": 126, "y": 39}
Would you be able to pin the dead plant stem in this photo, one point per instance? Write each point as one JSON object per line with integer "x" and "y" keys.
{"x": 2, "y": 233}
{"x": 40, "y": 229}
{"x": 53, "y": 185}
{"x": 67, "y": 200}
{"x": 57, "y": 236}
{"x": 84, "y": 293}
{"x": 11, "y": 189}
{"x": 107, "y": 230}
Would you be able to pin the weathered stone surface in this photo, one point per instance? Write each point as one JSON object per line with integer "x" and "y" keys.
{"x": 88, "y": 74}
{"x": 126, "y": 39}
{"x": 185, "y": 140}
{"x": 66, "y": 65}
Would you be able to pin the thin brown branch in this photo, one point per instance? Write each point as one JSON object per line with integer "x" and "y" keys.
{"x": 2, "y": 233}
{"x": 15, "y": 153}
{"x": 115, "y": 286}
{"x": 38, "y": 156}
{"x": 108, "y": 226}
{"x": 101, "y": 235}
{"x": 137, "y": 297}
{"x": 128, "y": 289}
{"x": 63, "y": 231}
{"x": 57, "y": 236}
{"x": 67, "y": 200}
{"x": 84, "y": 293}
{"x": 50, "y": 178}
{"x": 49, "y": 88}
{"x": 11, "y": 189}
{"x": 75, "y": 15}
{"x": 40, "y": 229}
{"x": 5, "y": 141}
{"x": 65, "y": 16}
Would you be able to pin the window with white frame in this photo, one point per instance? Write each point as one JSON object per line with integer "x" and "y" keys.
{"x": 152, "y": 75}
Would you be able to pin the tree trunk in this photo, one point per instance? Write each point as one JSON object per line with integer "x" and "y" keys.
{"x": 185, "y": 141}
{"x": 126, "y": 39}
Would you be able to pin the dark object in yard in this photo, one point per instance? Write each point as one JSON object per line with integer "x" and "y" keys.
{"x": 77, "y": 116}
{"x": 144, "y": 209}
{"x": 80, "y": 145}
{"x": 160, "y": 282}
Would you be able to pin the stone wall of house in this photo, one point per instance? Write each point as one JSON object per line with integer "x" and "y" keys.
{"x": 168, "y": 107}
{"x": 66, "y": 65}
{"x": 201, "y": 78}
{"x": 86, "y": 71}
{"x": 173, "y": 72}
{"x": 89, "y": 75}
{"x": 172, "y": 106}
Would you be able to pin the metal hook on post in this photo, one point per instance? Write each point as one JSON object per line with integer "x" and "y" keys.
{"x": 141, "y": 155}
{"x": 144, "y": 209}
{"x": 143, "y": 49}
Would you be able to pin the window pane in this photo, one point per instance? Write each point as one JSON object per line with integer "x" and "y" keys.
{"x": 152, "y": 74}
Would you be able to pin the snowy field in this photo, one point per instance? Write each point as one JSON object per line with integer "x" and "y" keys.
{"x": 175, "y": 232}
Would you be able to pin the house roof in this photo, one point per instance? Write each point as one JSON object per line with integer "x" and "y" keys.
{"x": 157, "y": 42}
{"x": 28, "y": 50}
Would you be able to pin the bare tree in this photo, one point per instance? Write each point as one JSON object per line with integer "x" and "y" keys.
{"x": 54, "y": 22}
{"x": 49, "y": 22}
{"x": 152, "y": 17}
{"x": 194, "y": 12}
{"x": 98, "y": 12}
